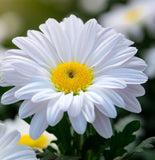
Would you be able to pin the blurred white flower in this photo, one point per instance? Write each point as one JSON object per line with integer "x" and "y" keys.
{"x": 92, "y": 6}
{"x": 2, "y": 55}
{"x": 82, "y": 69}
{"x": 23, "y": 127}
{"x": 129, "y": 19}
{"x": 2, "y": 52}
{"x": 149, "y": 57}
{"x": 10, "y": 24}
{"x": 9, "y": 148}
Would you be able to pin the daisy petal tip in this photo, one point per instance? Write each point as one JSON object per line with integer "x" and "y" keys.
{"x": 115, "y": 115}
{"x": 138, "y": 110}
{"x": 2, "y": 101}
{"x": 72, "y": 16}
{"x": 34, "y": 135}
{"x": 16, "y": 40}
{"x": 108, "y": 136}
{"x": 21, "y": 115}
{"x": 145, "y": 78}
{"x": 80, "y": 131}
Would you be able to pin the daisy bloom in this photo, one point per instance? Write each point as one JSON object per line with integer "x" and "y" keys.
{"x": 8, "y": 19}
{"x": 130, "y": 18}
{"x": 20, "y": 125}
{"x": 82, "y": 69}
{"x": 149, "y": 57}
{"x": 91, "y": 6}
{"x": 10, "y": 150}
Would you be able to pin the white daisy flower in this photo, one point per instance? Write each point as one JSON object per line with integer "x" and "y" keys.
{"x": 10, "y": 150}
{"x": 91, "y": 6}
{"x": 129, "y": 19}
{"x": 82, "y": 69}
{"x": 8, "y": 19}
{"x": 2, "y": 54}
{"x": 23, "y": 127}
{"x": 149, "y": 57}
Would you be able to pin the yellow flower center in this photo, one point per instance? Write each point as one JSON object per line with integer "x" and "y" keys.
{"x": 39, "y": 143}
{"x": 132, "y": 15}
{"x": 71, "y": 77}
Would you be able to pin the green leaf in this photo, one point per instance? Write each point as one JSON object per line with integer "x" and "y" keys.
{"x": 146, "y": 144}
{"x": 48, "y": 155}
{"x": 131, "y": 127}
{"x": 118, "y": 142}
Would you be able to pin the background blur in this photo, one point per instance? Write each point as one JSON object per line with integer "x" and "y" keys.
{"x": 134, "y": 18}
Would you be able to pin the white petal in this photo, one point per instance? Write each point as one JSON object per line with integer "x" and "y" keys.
{"x": 135, "y": 63}
{"x": 30, "y": 89}
{"x": 114, "y": 97}
{"x": 107, "y": 107}
{"x": 9, "y": 139}
{"x": 136, "y": 90}
{"x": 38, "y": 124}
{"x": 16, "y": 52}
{"x": 4, "y": 84}
{"x": 103, "y": 50}
{"x": 130, "y": 76}
{"x": 79, "y": 123}
{"x": 116, "y": 58}
{"x": 18, "y": 152}
{"x": 14, "y": 78}
{"x": 45, "y": 95}
{"x": 88, "y": 111}
{"x": 60, "y": 40}
{"x": 32, "y": 49}
{"x": 9, "y": 96}
{"x": 26, "y": 66}
{"x": 73, "y": 27}
{"x": 2, "y": 130}
{"x": 131, "y": 103}
{"x": 94, "y": 97}
{"x": 108, "y": 82}
{"x": 44, "y": 29}
{"x": 54, "y": 112}
{"x": 102, "y": 125}
{"x": 103, "y": 34}
{"x": 46, "y": 47}
{"x": 66, "y": 100}
{"x": 76, "y": 105}
{"x": 87, "y": 40}
{"x": 28, "y": 108}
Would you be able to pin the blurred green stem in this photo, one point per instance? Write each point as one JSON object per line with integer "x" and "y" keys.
{"x": 77, "y": 143}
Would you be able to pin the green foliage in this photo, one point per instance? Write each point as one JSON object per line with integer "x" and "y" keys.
{"x": 146, "y": 144}
{"x": 119, "y": 141}
{"x": 92, "y": 146}
{"x": 48, "y": 155}
{"x": 112, "y": 147}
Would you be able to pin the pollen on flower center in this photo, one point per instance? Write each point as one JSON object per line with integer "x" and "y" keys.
{"x": 41, "y": 142}
{"x": 71, "y": 77}
{"x": 132, "y": 15}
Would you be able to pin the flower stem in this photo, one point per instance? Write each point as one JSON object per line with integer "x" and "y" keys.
{"x": 77, "y": 144}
